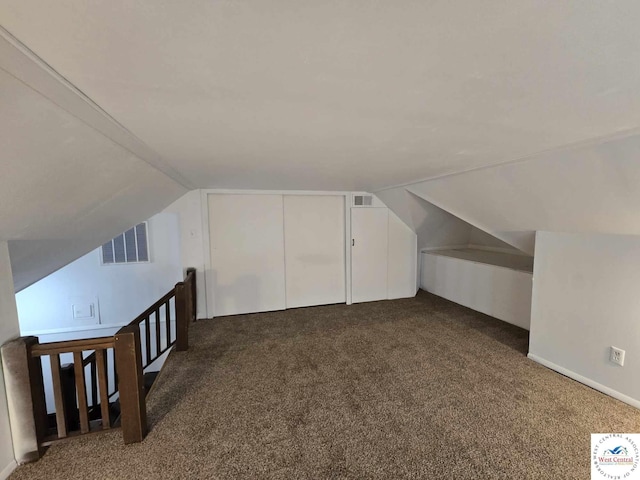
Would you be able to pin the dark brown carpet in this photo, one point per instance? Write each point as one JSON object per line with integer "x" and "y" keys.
{"x": 416, "y": 388}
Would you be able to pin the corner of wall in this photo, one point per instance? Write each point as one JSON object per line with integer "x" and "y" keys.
{"x": 9, "y": 329}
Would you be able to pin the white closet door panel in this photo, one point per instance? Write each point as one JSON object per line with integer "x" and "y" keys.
{"x": 314, "y": 249}
{"x": 369, "y": 231}
{"x": 247, "y": 253}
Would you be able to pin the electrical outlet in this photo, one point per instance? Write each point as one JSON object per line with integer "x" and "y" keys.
{"x": 617, "y": 356}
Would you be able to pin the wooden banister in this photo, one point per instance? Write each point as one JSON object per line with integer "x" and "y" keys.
{"x": 130, "y": 384}
{"x": 70, "y": 346}
{"x": 76, "y": 402}
{"x": 144, "y": 315}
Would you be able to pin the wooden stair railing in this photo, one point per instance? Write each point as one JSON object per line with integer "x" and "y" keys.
{"x": 114, "y": 367}
{"x": 97, "y": 363}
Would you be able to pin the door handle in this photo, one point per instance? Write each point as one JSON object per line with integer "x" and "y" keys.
{"x": 353, "y": 242}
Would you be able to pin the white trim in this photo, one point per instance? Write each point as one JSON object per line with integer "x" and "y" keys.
{"x": 586, "y": 381}
{"x": 206, "y": 251}
{"x": 8, "y": 470}
{"x": 82, "y": 328}
{"x": 347, "y": 247}
{"x": 201, "y": 283}
{"x": 228, "y": 191}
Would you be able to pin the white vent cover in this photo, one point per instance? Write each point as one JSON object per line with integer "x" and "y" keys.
{"x": 363, "y": 200}
{"x": 131, "y": 246}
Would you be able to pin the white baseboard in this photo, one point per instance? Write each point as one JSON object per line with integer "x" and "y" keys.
{"x": 8, "y": 470}
{"x": 587, "y": 381}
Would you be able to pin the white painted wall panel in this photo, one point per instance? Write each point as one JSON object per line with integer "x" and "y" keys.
{"x": 402, "y": 259}
{"x": 189, "y": 209}
{"x": 585, "y": 299}
{"x": 246, "y": 234}
{"x": 369, "y": 254}
{"x": 501, "y": 292}
{"x": 8, "y": 331}
{"x": 119, "y": 293}
{"x": 314, "y": 249}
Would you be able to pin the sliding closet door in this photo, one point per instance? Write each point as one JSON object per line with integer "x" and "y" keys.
{"x": 247, "y": 253}
{"x": 314, "y": 249}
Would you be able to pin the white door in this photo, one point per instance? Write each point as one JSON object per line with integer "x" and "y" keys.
{"x": 314, "y": 249}
{"x": 369, "y": 233}
{"x": 247, "y": 254}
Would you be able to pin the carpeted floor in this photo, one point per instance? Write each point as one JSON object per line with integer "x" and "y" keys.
{"x": 415, "y": 388}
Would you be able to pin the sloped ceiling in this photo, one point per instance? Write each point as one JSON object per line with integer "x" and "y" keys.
{"x": 153, "y": 97}
{"x": 65, "y": 188}
{"x": 344, "y": 95}
{"x": 590, "y": 188}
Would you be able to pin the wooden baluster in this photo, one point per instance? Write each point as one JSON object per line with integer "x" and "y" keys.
{"x": 101, "y": 362}
{"x": 189, "y": 293}
{"x": 158, "y": 346}
{"x": 94, "y": 382}
{"x": 167, "y": 325}
{"x": 130, "y": 384}
{"x": 81, "y": 391}
{"x": 61, "y": 414}
{"x": 147, "y": 333}
{"x": 115, "y": 373}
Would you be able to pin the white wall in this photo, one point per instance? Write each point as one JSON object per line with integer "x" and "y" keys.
{"x": 501, "y": 292}
{"x": 480, "y": 238}
{"x": 585, "y": 299}
{"x": 402, "y": 259}
{"x": 8, "y": 331}
{"x": 434, "y": 226}
{"x": 189, "y": 210}
{"x": 121, "y": 292}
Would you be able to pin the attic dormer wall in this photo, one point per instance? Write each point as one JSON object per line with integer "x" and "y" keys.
{"x": 586, "y": 188}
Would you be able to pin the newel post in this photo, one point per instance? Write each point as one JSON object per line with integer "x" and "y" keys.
{"x": 193, "y": 293}
{"x": 128, "y": 358}
{"x": 25, "y": 395}
{"x": 182, "y": 317}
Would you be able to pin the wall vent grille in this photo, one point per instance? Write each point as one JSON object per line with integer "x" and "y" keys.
{"x": 363, "y": 200}
{"x": 131, "y": 246}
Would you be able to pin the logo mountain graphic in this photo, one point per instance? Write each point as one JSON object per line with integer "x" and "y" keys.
{"x": 619, "y": 450}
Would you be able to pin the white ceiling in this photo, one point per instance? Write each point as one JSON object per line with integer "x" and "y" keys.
{"x": 343, "y": 95}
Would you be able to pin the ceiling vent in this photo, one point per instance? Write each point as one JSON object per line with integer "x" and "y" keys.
{"x": 363, "y": 200}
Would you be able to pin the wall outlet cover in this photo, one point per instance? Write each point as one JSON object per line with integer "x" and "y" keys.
{"x": 617, "y": 356}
